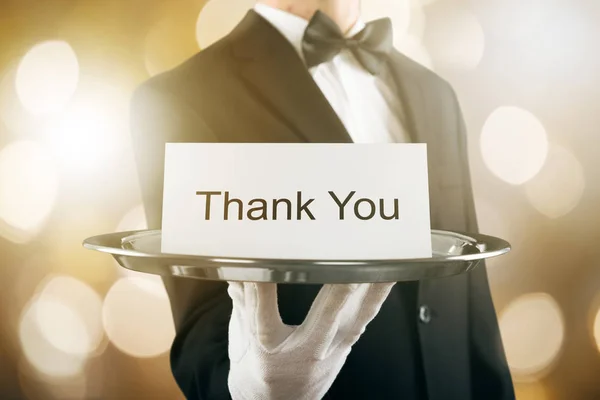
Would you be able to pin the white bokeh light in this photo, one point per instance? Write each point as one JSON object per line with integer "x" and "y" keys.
{"x": 137, "y": 321}
{"x": 42, "y": 355}
{"x": 92, "y": 131}
{"x": 69, "y": 314}
{"x": 28, "y": 189}
{"x": 457, "y": 41}
{"x": 218, "y": 18}
{"x": 12, "y": 112}
{"x": 79, "y": 137}
{"x": 47, "y": 77}
{"x": 532, "y": 329}
{"x": 513, "y": 144}
{"x": 558, "y": 187}
{"x": 62, "y": 327}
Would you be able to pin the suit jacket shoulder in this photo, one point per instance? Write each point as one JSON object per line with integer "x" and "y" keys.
{"x": 431, "y": 81}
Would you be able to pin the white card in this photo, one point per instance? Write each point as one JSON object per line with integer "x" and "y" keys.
{"x": 297, "y": 201}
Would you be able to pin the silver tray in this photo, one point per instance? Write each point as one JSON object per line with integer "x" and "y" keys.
{"x": 453, "y": 253}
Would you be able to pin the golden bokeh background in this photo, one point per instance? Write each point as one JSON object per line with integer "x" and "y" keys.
{"x": 74, "y": 325}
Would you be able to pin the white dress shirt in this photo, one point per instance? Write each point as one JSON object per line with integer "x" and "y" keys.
{"x": 367, "y": 105}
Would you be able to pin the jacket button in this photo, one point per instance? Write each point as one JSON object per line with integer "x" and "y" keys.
{"x": 424, "y": 314}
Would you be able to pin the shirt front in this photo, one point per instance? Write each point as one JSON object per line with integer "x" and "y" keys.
{"x": 367, "y": 105}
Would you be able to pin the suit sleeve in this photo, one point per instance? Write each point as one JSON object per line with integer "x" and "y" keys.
{"x": 201, "y": 309}
{"x": 490, "y": 375}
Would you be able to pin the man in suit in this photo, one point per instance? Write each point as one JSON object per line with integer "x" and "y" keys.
{"x": 312, "y": 71}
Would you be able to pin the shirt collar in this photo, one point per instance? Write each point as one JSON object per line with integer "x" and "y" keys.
{"x": 292, "y": 27}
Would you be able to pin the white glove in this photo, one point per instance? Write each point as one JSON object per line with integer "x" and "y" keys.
{"x": 273, "y": 361}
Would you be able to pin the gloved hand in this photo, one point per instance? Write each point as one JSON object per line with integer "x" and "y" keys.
{"x": 273, "y": 361}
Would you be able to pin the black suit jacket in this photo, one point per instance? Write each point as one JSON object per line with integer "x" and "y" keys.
{"x": 252, "y": 86}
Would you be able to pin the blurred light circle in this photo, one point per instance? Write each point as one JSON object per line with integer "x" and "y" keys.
{"x": 171, "y": 39}
{"x": 62, "y": 327}
{"x": 218, "y": 18}
{"x": 137, "y": 321}
{"x": 78, "y": 138}
{"x": 92, "y": 130}
{"x": 12, "y": 112}
{"x": 133, "y": 220}
{"x": 69, "y": 314}
{"x": 41, "y": 354}
{"x": 558, "y": 187}
{"x": 398, "y": 11}
{"x": 28, "y": 189}
{"x": 513, "y": 144}
{"x": 412, "y": 47}
{"x": 532, "y": 329}
{"x": 457, "y": 41}
{"x": 47, "y": 77}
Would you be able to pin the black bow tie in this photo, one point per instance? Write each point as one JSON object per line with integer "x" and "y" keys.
{"x": 323, "y": 40}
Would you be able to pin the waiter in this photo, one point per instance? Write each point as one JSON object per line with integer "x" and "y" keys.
{"x": 298, "y": 71}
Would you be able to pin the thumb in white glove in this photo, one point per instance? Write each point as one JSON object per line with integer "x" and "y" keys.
{"x": 271, "y": 361}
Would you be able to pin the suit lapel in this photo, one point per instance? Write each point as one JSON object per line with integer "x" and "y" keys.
{"x": 419, "y": 121}
{"x": 279, "y": 79}
{"x": 411, "y": 97}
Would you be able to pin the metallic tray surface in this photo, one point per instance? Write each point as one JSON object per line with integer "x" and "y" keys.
{"x": 453, "y": 253}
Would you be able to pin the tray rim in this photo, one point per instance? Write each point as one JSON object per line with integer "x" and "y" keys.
{"x": 489, "y": 246}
